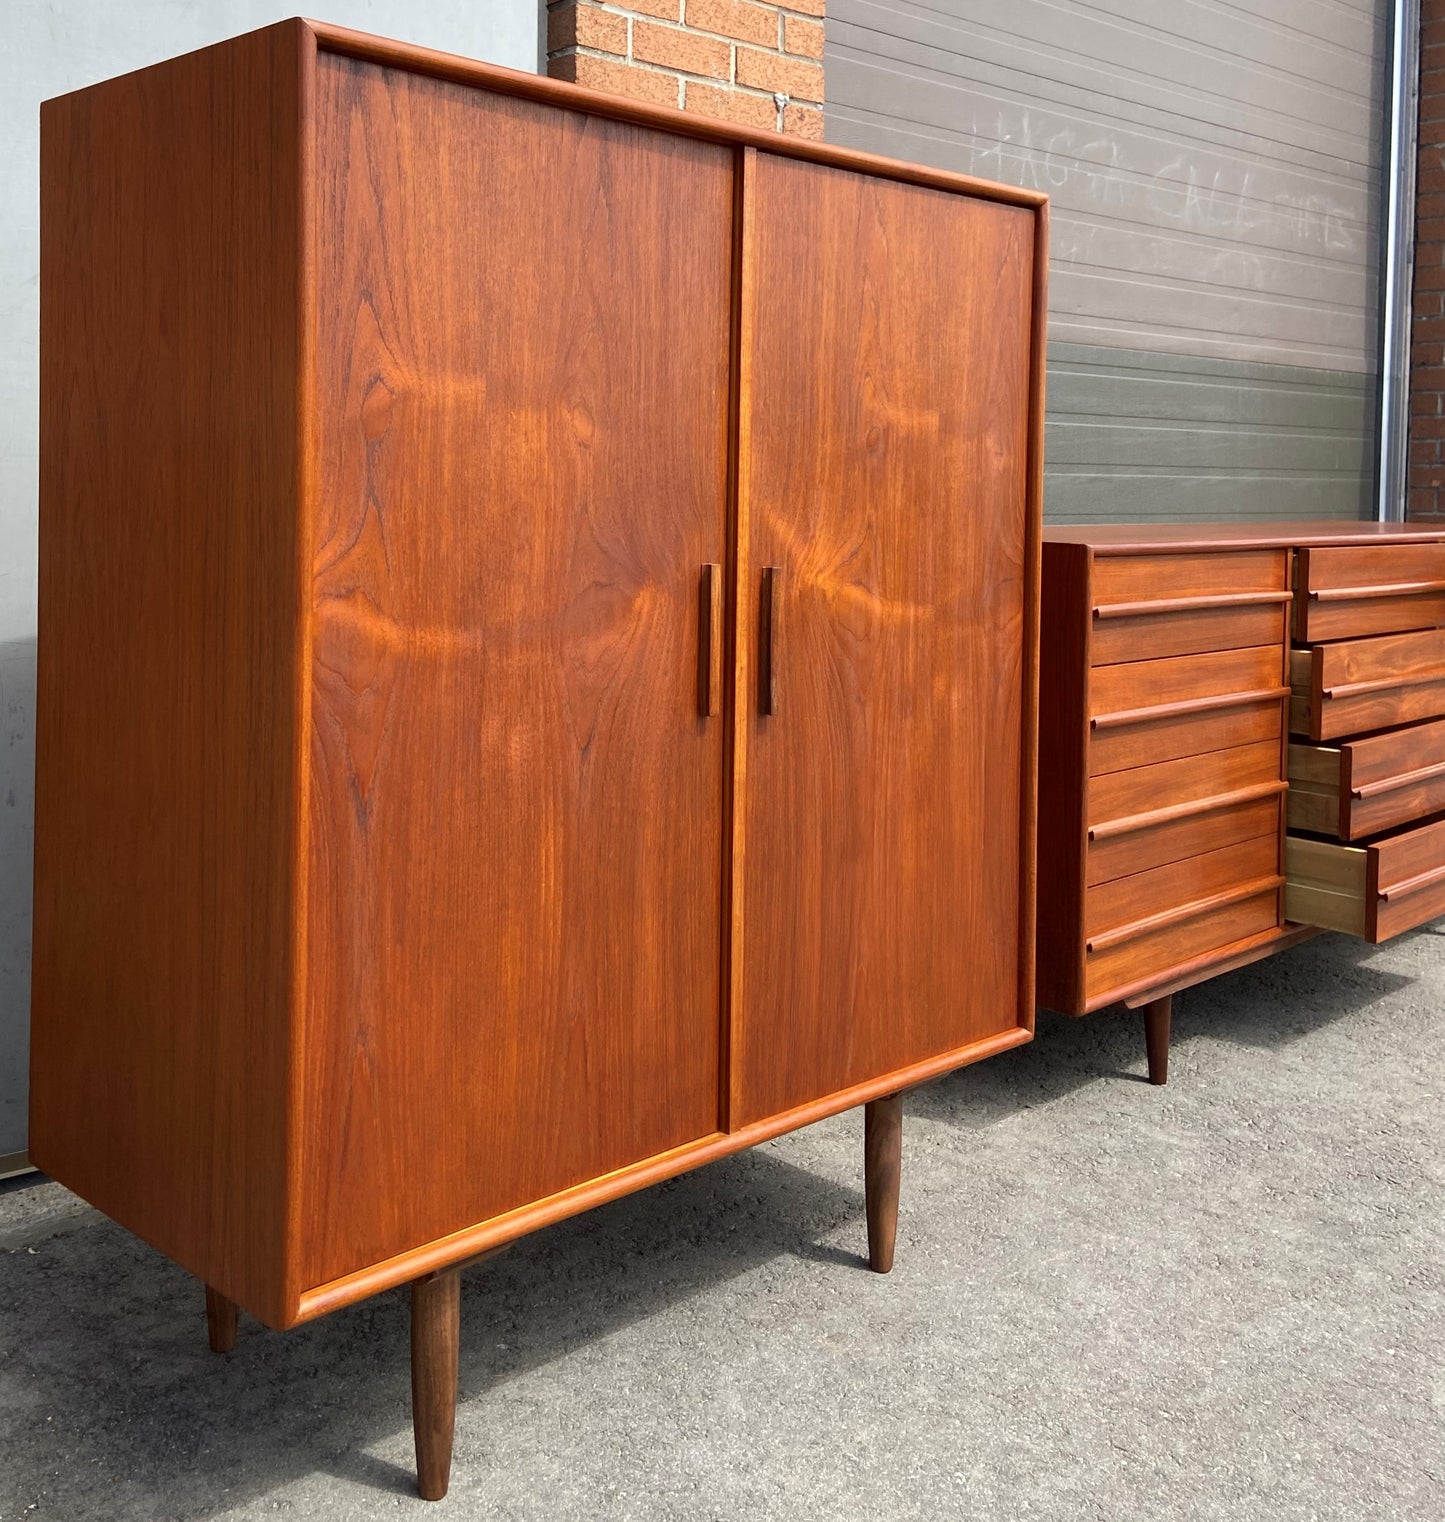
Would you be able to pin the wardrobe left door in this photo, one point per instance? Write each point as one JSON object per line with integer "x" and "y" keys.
{"x": 516, "y": 800}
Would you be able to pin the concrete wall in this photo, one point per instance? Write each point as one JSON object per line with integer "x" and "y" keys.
{"x": 1215, "y": 169}
{"x": 51, "y": 46}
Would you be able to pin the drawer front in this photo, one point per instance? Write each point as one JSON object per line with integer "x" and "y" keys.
{"x": 1165, "y": 578}
{"x": 1173, "y": 839}
{"x": 1117, "y": 747}
{"x": 1123, "y": 967}
{"x": 1405, "y": 880}
{"x": 1344, "y": 591}
{"x": 1355, "y": 686}
{"x": 1363, "y": 787}
{"x": 1128, "y": 907}
{"x": 1375, "y": 891}
{"x": 1125, "y": 802}
{"x": 1133, "y": 692}
{"x": 1186, "y": 626}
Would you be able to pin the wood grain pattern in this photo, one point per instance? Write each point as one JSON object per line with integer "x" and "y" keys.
{"x": 887, "y": 417}
{"x": 1121, "y": 746}
{"x": 1133, "y": 685}
{"x": 1145, "y": 791}
{"x": 688, "y": 124}
{"x": 1405, "y": 881}
{"x": 1156, "y": 845}
{"x": 1109, "y": 973}
{"x": 168, "y": 743}
{"x": 516, "y": 852}
{"x": 1345, "y": 592}
{"x": 1166, "y": 578}
{"x": 1353, "y": 686}
{"x": 1189, "y": 631}
{"x": 222, "y": 1320}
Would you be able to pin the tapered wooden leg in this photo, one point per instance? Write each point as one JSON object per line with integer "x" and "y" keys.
{"x": 221, "y": 1317}
{"x": 1156, "y": 1037}
{"x": 436, "y": 1325}
{"x": 882, "y": 1164}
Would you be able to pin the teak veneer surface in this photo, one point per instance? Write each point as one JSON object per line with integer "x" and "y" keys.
{"x": 877, "y": 842}
{"x": 168, "y": 938}
{"x": 434, "y": 882}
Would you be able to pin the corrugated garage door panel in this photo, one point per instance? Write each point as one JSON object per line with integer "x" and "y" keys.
{"x": 1215, "y": 171}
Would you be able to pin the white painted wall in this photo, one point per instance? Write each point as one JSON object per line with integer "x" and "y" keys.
{"x": 50, "y": 47}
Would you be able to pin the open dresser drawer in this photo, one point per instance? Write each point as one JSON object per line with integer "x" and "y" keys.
{"x": 1375, "y": 891}
{"x": 1365, "y": 786}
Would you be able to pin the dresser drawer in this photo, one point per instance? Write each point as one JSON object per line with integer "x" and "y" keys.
{"x": 1355, "y": 686}
{"x": 1344, "y": 591}
{"x": 1245, "y": 721}
{"x": 1135, "y": 692}
{"x": 1155, "y": 845}
{"x": 1162, "y": 579}
{"x": 1375, "y": 891}
{"x": 1126, "y": 966}
{"x": 1365, "y": 786}
{"x": 1122, "y": 803}
{"x": 1186, "y": 626}
{"x": 1128, "y": 907}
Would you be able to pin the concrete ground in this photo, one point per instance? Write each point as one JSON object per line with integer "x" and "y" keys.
{"x": 1222, "y": 1299}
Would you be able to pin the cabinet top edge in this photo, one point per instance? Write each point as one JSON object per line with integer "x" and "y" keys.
{"x": 1179, "y": 538}
{"x": 539, "y": 87}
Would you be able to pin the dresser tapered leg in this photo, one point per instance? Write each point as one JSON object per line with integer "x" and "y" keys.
{"x": 1156, "y": 1037}
{"x": 882, "y": 1164}
{"x": 436, "y": 1324}
{"x": 221, "y": 1315}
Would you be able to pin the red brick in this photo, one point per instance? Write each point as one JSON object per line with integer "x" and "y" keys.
{"x": 1427, "y": 428}
{"x": 685, "y": 51}
{"x": 1432, "y": 131}
{"x": 803, "y": 121}
{"x": 1423, "y": 503}
{"x": 617, "y": 78}
{"x": 1430, "y": 206}
{"x": 1428, "y": 357}
{"x": 731, "y": 105}
{"x": 1425, "y": 452}
{"x": 735, "y": 18}
{"x": 788, "y": 76}
{"x": 585, "y": 26}
{"x": 1430, "y": 230}
{"x": 1425, "y": 403}
{"x": 803, "y": 37}
{"x": 1430, "y": 179}
{"x": 1429, "y": 276}
{"x": 664, "y": 10}
{"x": 808, "y": 7}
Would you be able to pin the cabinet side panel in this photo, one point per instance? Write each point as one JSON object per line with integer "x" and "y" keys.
{"x": 167, "y": 738}
{"x": 1063, "y": 776}
{"x": 887, "y": 792}
{"x": 516, "y": 850}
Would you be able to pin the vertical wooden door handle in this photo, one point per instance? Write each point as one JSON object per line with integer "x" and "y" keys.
{"x": 768, "y": 640}
{"x": 709, "y": 641}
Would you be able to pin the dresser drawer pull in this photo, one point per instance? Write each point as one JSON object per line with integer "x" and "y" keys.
{"x": 1189, "y": 604}
{"x": 768, "y": 643}
{"x": 1186, "y": 705}
{"x": 1412, "y": 884}
{"x": 1132, "y": 822}
{"x": 1187, "y": 911}
{"x": 1405, "y": 779}
{"x": 1388, "y": 589}
{"x": 1384, "y": 684}
{"x": 709, "y": 641}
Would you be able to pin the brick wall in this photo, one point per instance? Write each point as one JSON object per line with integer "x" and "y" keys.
{"x": 1426, "y": 475}
{"x": 758, "y": 64}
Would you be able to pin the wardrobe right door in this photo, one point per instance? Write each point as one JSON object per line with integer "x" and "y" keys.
{"x": 882, "y": 902}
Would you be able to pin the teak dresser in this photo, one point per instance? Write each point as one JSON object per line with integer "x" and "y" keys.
{"x": 1190, "y": 818}
{"x": 538, "y": 658}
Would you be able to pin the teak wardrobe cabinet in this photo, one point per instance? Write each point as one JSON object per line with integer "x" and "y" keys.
{"x": 538, "y": 632}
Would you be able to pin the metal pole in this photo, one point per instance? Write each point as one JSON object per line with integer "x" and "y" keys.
{"x": 1399, "y": 262}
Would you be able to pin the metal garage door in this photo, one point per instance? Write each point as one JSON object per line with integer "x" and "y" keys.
{"x": 1215, "y": 171}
